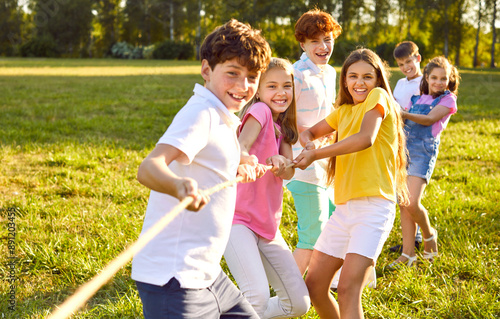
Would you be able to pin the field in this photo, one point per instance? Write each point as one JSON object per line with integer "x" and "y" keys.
{"x": 73, "y": 133}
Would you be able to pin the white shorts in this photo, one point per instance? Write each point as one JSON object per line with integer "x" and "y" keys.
{"x": 360, "y": 226}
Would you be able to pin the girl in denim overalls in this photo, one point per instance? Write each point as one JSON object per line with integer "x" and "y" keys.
{"x": 427, "y": 118}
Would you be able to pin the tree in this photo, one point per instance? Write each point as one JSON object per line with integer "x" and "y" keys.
{"x": 107, "y": 17}
{"x": 493, "y": 32}
{"x": 68, "y": 23}
{"x": 458, "y": 8}
{"x": 479, "y": 20}
{"x": 10, "y": 24}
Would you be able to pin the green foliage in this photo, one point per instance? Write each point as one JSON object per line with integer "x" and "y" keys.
{"x": 10, "y": 24}
{"x": 385, "y": 52}
{"x": 67, "y": 22}
{"x": 342, "y": 49}
{"x": 124, "y": 50}
{"x": 105, "y": 25}
{"x": 147, "y": 52}
{"x": 284, "y": 48}
{"x": 170, "y": 50}
{"x": 89, "y": 28}
{"x": 70, "y": 147}
{"x": 43, "y": 46}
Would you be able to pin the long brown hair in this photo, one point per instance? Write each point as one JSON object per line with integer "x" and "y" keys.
{"x": 451, "y": 71}
{"x": 344, "y": 97}
{"x": 288, "y": 119}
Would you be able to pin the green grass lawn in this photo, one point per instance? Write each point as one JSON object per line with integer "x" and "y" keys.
{"x": 73, "y": 133}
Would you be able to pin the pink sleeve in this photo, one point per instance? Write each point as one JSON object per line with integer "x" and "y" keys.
{"x": 259, "y": 111}
{"x": 450, "y": 101}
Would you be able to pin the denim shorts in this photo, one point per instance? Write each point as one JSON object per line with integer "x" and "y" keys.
{"x": 422, "y": 157}
{"x": 221, "y": 300}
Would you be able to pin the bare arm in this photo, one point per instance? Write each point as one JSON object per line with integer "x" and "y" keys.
{"x": 281, "y": 163}
{"x": 434, "y": 115}
{"x": 155, "y": 174}
{"x": 247, "y": 137}
{"x": 315, "y": 133}
{"x": 354, "y": 143}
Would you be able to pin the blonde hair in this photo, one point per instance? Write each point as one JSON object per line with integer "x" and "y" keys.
{"x": 288, "y": 119}
{"x": 344, "y": 97}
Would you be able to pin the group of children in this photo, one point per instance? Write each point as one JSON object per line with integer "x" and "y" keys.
{"x": 287, "y": 121}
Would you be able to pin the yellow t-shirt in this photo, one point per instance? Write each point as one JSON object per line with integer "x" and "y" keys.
{"x": 370, "y": 172}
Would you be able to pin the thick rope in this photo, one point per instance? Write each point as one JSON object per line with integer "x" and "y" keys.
{"x": 87, "y": 290}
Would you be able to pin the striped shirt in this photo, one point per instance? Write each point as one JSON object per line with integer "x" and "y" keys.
{"x": 315, "y": 95}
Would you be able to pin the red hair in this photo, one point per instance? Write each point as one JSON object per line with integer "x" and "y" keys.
{"x": 315, "y": 22}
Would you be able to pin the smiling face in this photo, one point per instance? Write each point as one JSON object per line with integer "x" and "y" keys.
{"x": 319, "y": 49}
{"x": 410, "y": 66}
{"x": 276, "y": 90}
{"x": 232, "y": 83}
{"x": 361, "y": 78}
{"x": 438, "y": 81}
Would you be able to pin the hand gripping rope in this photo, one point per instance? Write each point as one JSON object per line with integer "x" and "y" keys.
{"x": 87, "y": 290}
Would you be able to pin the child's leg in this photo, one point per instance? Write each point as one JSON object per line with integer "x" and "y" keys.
{"x": 314, "y": 205}
{"x": 408, "y": 230}
{"x": 417, "y": 211}
{"x": 355, "y": 272}
{"x": 302, "y": 258}
{"x": 232, "y": 304}
{"x": 319, "y": 278}
{"x": 292, "y": 298}
{"x": 244, "y": 261}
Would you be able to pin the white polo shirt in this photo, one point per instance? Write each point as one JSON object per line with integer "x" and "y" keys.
{"x": 191, "y": 246}
{"x": 315, "y": 95}
{"x": 405, "y": 89}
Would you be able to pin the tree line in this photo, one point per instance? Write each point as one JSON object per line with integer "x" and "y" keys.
{"x": 462, "y": 30}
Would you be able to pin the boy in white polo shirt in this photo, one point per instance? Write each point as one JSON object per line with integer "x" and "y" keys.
{"x": 408, "y": 59}
{"x": 178, "y": 273}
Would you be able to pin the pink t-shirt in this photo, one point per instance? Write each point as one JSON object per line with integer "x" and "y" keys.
{"x": 259, "y": 204}
{"x": 450, "y": 101}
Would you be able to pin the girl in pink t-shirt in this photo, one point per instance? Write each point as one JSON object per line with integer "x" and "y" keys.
{"x": 256, "y": 254}
{"x": 425, "y": 120}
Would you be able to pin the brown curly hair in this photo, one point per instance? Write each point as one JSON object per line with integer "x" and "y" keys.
{"x": 236, "y": 40}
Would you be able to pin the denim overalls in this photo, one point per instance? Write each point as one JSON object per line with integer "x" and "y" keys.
{"x": 422, "y": 146}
